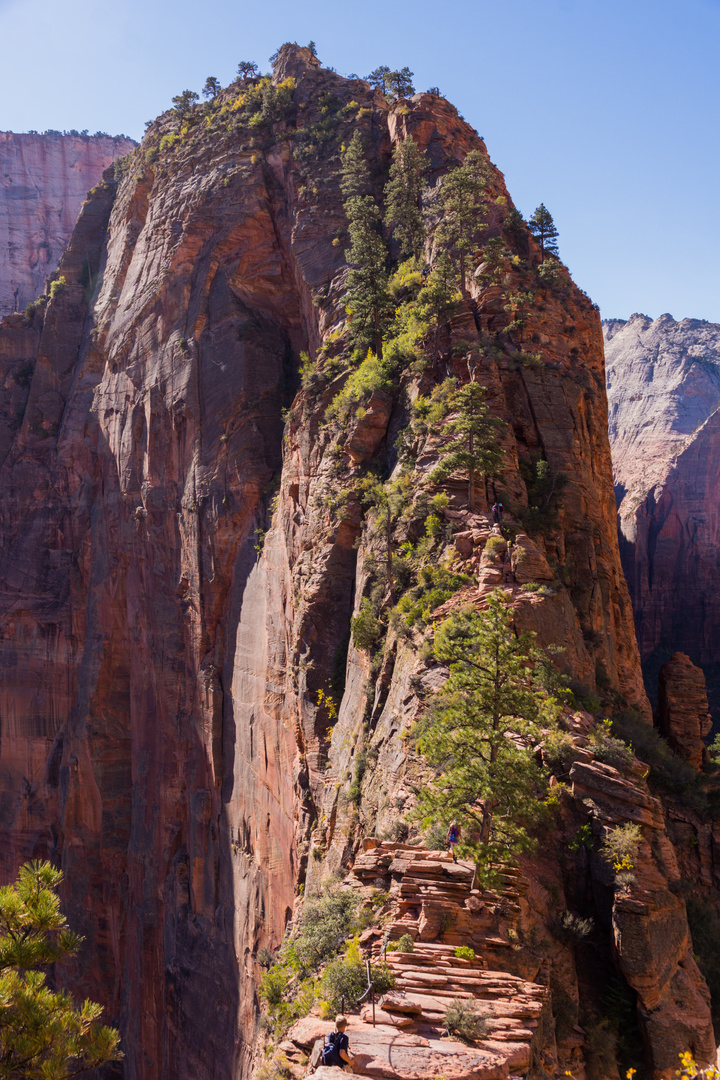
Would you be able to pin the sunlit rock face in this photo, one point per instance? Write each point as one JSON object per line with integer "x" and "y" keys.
{"x": 663, "y": 398}
{"x": 43, "y": 181}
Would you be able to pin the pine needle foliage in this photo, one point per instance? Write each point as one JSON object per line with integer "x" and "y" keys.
{"x": 403, "y": 192}
{"x": 44, "y": 1035}
{"x": 470, "y": 436}
{"x": 542, "y": 227}
{"x": 462, "y": 199}
{"x": 367, "y": 300}
{"x": 480, "y": 732}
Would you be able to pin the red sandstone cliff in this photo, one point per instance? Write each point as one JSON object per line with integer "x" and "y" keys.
{"x": 161, "y": 653}
{"x": 664, "y": 395}
{"x": 43, "y": 181}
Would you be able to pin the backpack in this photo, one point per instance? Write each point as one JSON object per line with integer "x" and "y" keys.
{"x": 330, "y": 1052}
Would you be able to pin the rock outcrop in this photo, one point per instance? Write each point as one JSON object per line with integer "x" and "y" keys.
{"x": 683, "y": 716}
{"x": 43, "y": 181}
{"x": 663, "y": 396}
{"x": 187, "y": 728}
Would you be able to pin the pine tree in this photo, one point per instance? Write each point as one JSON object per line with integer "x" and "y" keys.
{"x": 392, "y": 83}
{"x": 247, "y": 69}
{"x": 439, "y": 297}
{"x": 462, "y": 199}
{"x": 480, "y": 732}
{"x": 184, "y": 102}
{"x": 402, "y": 197}
{"x": 44, "y": 1035}
{"x": 367, "y": 299}
{"x": 399, "y": 83}
{"x": 472, "y": 447}
{"x": 542, "y": 227}
{"x": 212, "y": 87}
{"x": 355, "y": 175}
{"x": 377, "y": 77}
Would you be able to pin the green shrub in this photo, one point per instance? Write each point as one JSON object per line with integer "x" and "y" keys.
{"x": 57, "y": 287}
{"x": 373, "y": 374}
{"x": 610, "y": 750}
{"x": 435, "y": 837}
{"x": 464, "y": 952}
{"x": 274, "y": 984}
{"x": 464, "y": 1021}
{"x": 668, "y": 773}
{"x": 366, "y": 628}
{"x": 355, "y": 792}
{"x": 559, "y": 751}
{"x": 571, "y": 928}
{"x": 342, "y": 984}
{"x": 619, "y": 849}
{"x": 436, "y": 584}
{"x": 326, "y": 922}
{"x": 405, "y": 943}
{"x": 494, "y": 546}
{"x": 274, "y": 1067}
{"x": 346, "y": 978}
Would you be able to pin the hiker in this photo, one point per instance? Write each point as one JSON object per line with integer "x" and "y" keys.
{"x": 453, "y": 837}
{"x": 336, "y": 1050}
{"x": 508, "y": 572}
{"x": 497, "y": 513}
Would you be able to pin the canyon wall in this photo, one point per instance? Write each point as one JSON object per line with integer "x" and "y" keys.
{"x": 43, "y": 181}
{"x": 664, "y": 398}
{"x": 183, "y": 546}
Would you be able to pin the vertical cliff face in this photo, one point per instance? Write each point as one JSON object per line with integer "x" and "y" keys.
{"x": 663, "y": 395}
{"x": 183, "y": 548}
{"x": 43, "y": 181}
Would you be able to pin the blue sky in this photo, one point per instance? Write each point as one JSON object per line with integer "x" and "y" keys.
{"x": 606, "y": 111}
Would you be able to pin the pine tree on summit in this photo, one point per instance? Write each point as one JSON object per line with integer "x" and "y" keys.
{"x": 367, "y": 299}
{"x": 542, "y": 227}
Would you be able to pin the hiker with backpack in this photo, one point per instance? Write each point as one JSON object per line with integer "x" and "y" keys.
{"x": 453, "y": 837}
{"x": 336, "y": 1050}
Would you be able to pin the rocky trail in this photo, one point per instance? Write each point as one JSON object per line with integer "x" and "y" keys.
{"x": 437, "y": 904}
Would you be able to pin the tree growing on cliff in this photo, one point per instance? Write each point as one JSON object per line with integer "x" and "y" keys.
{"x": 44, "y": 1035}
{"x": 542, "y": 227}
{"x": 439, "y": 297}
{"x": 367, "y": 300}
{"x": 470, "y": 439}
{"x": 403, "y": 212}
{"x": 392, "y": 83}
{"x": 183, "y": 103}
{"x": 248, "y": 70}
{"x": 212, "y": 87}
{"x": 480, "y": 733}
{"x": 462, "y": 199}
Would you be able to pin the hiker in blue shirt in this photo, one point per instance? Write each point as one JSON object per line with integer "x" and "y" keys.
{"x": 453, "y": 837}
{"x": 336, "y": 1050}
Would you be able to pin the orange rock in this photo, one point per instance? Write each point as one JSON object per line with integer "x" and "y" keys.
{"x": 683, "y": 715}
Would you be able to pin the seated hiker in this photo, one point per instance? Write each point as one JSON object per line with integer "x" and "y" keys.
{"x": 336, "y": 1050}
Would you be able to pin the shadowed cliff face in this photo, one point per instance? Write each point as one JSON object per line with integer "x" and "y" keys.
{"x": 664, "y": 394}
{"x": 43, "y": 181}
{"x": 161, "y": 651}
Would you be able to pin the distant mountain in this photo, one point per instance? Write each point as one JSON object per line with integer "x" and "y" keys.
{"x": 43, "y": 181}
{"x": 663, "y": 384}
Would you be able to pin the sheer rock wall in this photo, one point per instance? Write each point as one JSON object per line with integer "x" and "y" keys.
{"x": 161, "y": 652}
